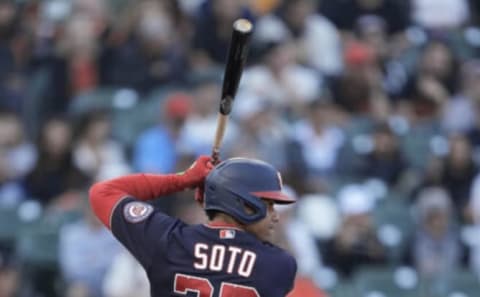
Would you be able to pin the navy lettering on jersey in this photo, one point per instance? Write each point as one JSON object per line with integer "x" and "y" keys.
{"x": 195, "y": 261}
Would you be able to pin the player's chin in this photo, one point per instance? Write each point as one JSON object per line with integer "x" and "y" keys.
{"x": 269, "y": 235}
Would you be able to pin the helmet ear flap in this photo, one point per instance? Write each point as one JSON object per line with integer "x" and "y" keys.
{"x": 251, "y": 208}
{"x": 245, "y": 207}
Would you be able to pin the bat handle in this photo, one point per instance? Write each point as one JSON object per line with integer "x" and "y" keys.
{"x": 221, "y": 126}
{"x": 215, "y": 156}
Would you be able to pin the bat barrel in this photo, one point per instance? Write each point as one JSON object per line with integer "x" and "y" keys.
{"x": 237, "y": 56}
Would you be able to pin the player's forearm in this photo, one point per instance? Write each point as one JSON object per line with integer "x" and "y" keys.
{"x": 144, "y": 186}
{"x": 105, "y": 195}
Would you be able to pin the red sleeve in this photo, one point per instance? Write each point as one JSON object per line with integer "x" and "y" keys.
{"x": 105, "y": 195}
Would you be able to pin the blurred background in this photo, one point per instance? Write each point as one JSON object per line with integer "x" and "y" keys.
{"x": 369, "y": 108}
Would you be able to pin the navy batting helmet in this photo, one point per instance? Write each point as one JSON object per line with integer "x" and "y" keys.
{"x": 236, "y": 186}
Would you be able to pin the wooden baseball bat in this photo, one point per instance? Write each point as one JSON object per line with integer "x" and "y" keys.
{"x": 237, "y": 56}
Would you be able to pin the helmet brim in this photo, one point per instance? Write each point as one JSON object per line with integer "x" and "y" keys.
{"x": 278, "y": 196}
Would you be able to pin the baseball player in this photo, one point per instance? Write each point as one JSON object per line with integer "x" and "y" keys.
{"x": 231, "y": 256}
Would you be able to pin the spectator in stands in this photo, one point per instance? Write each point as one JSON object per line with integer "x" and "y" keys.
{"x": 455, "y": 172}
{"x": 319, "y": 140}
{"x": 356, "y": 242}
{"x": 474, "y": 225}
{"x": 17, "y": 157}
{"x": 316, "y": 39}
{"x": 388, "y": 51}
{"x": 372, "y": 30}
{"x": 470, "y": 97}
{"x": 86, "y": 251}
{"x": 157, "y": 149}
{"x": 359, "y": 86}
{"x": 301, "y": 236}
{"x": 261, "y": 132}
{"x": 145, "y": 51}
{"x": 435, "y": 250}
{"x": 459, "y": 172}
{"x": 15, "y": 57}
{"x": 55, "y": 175}
{"x": 18, "y": 151}
{"x": 212, "y": 31}
{"x": 199, "y": 129}
{"x": 10, "y": 284}
{"x": 460, "y": 112}
{"x": 263, "y": 7}
{"x": 436, "y": 72}
{"x": 344, "y": 14}
{"x": 425, "y": 97}
{"x": 95, "y": 151}
{"x": 385, "y": 161}
{"x": 281, "y": 80}
{"x": 440, "y": 15}
{"x": 126, "y": 278}
{"x": 475, "y": 12}
{"x": 81, "y": 56}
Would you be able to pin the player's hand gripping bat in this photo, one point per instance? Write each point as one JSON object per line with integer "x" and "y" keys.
{"x": 237, "y": 55}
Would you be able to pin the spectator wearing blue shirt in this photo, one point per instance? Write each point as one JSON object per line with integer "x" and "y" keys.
{"x": 156, "y": 149}
{"x": 86, "y": 251}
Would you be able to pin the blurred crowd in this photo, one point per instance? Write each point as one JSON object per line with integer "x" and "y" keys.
{"x": 369, "y": 108}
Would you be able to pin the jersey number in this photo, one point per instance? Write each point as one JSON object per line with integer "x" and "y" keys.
{"x": 203, "y": 287}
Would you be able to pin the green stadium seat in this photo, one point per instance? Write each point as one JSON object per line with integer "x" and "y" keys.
{"x": 342, "y": 289}
{"x": 417, "y": 144}
{"x": 394, "y": 226}
{"x": 456, "y": 284}
{"x": 101, "y": 98}
{"x": 37, "y": 251}
{"x": 9, "y": 226}
{"x": 127, "y": 124}
{"x": 386, "y": 282}
{"x": 37, "y": 246}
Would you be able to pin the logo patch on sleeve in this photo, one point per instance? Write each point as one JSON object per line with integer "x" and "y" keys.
{"x": 135, "y": 211}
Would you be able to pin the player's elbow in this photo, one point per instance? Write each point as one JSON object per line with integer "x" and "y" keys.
{"x": 95, "y": 192}
{"x": 99, "y": 195}
{"x": 100, "y": 203}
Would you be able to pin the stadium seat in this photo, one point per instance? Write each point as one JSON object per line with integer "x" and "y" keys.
{"x": 37, "y": 245}
{"x": 128, "y": 123}
{"x": 394, "y": 225}
{"x": 457, "y": 283}
{"x": 386, "y": 282}
{"x": 37, "y": 251}
{"x": 101, "y": 98}
{"x": 9, "y": 226}
{"x": 36, "y": 105}
{"x": 359, "y": 125}
{"x": 420, "y": 142}
{"x": 342, "y": 289}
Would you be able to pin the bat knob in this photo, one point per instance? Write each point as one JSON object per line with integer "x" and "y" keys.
{"x": 215, "y": 156}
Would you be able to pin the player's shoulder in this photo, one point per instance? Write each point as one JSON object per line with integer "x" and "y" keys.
{"x": 278, "y": 253}
{"x": 130, "y": 215}
{"x": 279, "y": 264}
